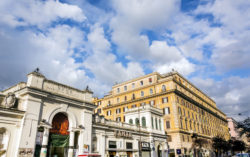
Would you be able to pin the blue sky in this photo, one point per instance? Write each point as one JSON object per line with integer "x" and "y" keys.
{"x": 100, "y": 42}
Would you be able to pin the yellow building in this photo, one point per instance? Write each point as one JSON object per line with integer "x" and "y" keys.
{"x": 187, "y": 110}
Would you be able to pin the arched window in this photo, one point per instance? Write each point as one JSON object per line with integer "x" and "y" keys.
{"x": 143, "y": 121}
{"x": 131, "y": 121}
{"x": 163, "y": 88}
{"x": 137, "y": 122}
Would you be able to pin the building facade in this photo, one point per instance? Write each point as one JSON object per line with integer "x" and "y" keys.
{"x": 187, "y": 111}
{"x": 44, "y": 118}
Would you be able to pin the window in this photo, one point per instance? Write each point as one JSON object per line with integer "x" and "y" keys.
{"x": 118, "y": 110}
{"x": 164, "y": 100}
{"x": 168, "y": 124}
{"x": 133, "y": 96}
{"x": 166, "y": 110}
{"x": 125, "y": 109}
{"x": 143, "y": 121}
{"x": 118, "y": 90}
{"x": 118, "y": 119}
{"x": 141, "y": 82}
{"x": 169, "y": 138}
{"x": 137, "y": 121}
{"x": 184, "y": 112}
{"x": 109, "y": 113}
{"x": 125, "y": 98}
{"x": 186, "y": 125}
{"x": 133, "y": 106}
{"x": 181, "y": 124}
{"x": 118, "y": 100}
{"x": 179, "y": 109}
{"x": 133, "y": 85}
{"x": 125, "y": 88}
{"x": 183, "y": 138}
{"x": 112, "y": 144}
{"x": 151, "y": 91}
{"x": 131, "y": 121}
{"x": 156, "y": 124}
{"x": 190, "y": 125}
{"x": 150, "y": 80}
{"x": 163, "y": 88}
{"x": 152, "y": 102}
{"x": 99, "y": 103}
{"x": 99, "y": 110}
{"x": 142, "y": 93}
{"x": 152, "y": 120}
{"x": 129, "y": 145}
{"x": 109, "y": 103}
{"x": 143, "y": 104}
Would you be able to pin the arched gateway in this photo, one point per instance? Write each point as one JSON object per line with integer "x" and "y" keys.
{"x": 59, "y": 136}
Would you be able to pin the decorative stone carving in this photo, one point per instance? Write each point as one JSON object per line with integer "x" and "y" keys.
{"x": 9, "y": 100}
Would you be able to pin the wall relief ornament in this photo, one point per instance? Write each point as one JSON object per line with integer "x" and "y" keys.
{"x": 9, "y": 100}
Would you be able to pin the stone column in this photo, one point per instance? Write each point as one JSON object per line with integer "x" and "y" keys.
{"x": 43, "y": 152}
{"x": 71, "y": 143}
{"x": 80, "y": 142}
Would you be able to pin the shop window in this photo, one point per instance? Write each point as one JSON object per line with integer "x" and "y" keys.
{"x": 112, "y": 144}
{"x": 166, "y": 110}
{"x": 129, "y": 145}
{"x": 143, "y": 119}
{"x": 131, "y": 121}
{"x": 168, "y": 124}
{"x": 142, "y": 104}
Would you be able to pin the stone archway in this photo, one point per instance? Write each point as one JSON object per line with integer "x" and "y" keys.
{"x": 59, "y": 135}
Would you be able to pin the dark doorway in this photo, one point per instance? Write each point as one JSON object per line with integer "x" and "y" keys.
{"x": 59, "y": 136}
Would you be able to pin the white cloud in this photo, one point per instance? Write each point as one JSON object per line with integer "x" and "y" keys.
{"x": 104, "y": 65}
{"x": 34, "y": 12}
{"x": 230, "y": 94}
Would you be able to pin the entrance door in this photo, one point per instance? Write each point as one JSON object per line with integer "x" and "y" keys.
{"x": 59, "y": 136}
{"x": 159, "y": 150}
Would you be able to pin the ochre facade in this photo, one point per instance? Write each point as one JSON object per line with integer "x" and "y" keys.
{"x": 187, "y": 110}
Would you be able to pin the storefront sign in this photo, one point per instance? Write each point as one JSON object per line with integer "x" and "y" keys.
{"x": 125, "y": 134}
{"x": 145, "y": 145}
